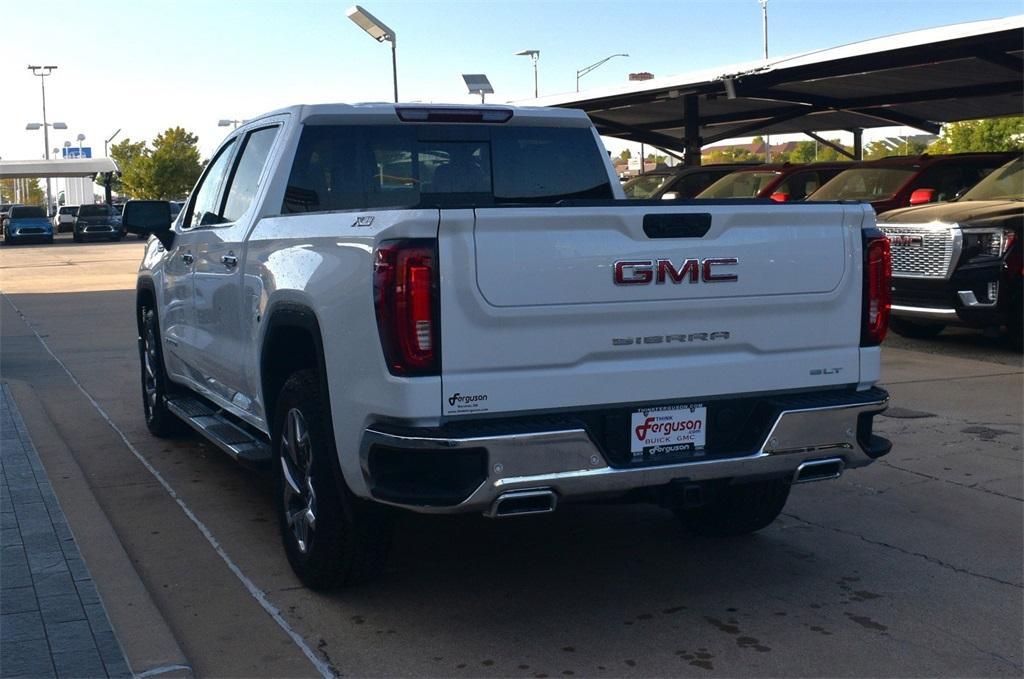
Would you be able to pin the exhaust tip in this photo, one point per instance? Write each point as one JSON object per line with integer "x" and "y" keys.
{"x": 523, "y": 503}
{"x": 819, "y": 470}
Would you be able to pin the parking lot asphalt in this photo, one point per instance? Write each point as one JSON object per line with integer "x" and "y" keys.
{"x": 911, "y": 567}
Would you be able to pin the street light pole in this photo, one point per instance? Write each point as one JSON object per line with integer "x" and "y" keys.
{"x": 764, "y": 30}
{"x": 108, "y": 140}
{"x": 379, "y": 32}
{"x": 42, "y": 72}
{"x": 535, "y": 55}
{"x": 587, "y": 69}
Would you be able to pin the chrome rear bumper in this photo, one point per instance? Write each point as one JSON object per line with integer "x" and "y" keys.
{"x": 568, "y": 463}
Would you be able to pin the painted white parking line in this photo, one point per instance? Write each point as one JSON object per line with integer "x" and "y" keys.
{"x": 259, "y": 595}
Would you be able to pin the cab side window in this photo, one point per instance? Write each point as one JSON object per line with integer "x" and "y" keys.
{"x": 204, "y": 210}
{"x": 245, "y": 179}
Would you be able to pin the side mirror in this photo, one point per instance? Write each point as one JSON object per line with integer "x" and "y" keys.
{"x": 670, "y": 195}
{"x": 921, "y": 196}
{"x": 780, "y": 197}
{"x": 149, "y": 217}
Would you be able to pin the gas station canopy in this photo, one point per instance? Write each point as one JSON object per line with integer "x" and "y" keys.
{"x": 31, "y": 169}
{"x": 917, "y": 79}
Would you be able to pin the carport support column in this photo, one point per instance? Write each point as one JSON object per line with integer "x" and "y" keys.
{"x": 691, "y": 131}
{"x": 858, "y": 143}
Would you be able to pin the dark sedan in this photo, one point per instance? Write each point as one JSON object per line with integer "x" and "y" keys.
{"x": 95, "y": 222}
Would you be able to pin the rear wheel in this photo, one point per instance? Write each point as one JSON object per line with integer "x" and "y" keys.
{"x": 914, "y": 329}
{"x": 160, "y": 421}
{"x": 331, "y": 537}
{"x": 737, "y": 510}
{"x": 76, "y": 237}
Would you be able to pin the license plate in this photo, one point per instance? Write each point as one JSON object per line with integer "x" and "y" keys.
{"x": 668, "y": 429}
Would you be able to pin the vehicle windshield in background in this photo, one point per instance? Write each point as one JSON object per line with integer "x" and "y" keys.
{"x": 359, "y": 167}
{"x": 865, "y": 183}
{"x": 67, "y": 210}
{"x": 739, "y": 185}
{"x": 95, "y": 211}
{"x": 27, "y": 212}
{"x": 646, "y": 185}
{"x": 1006, "y": 183}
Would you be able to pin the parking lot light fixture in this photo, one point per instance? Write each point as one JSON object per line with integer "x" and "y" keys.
{"x": 379, "y": 31}
{"x": 42, "y": 72}
{"x": 535, "y": 55}
{"x": 223, "y": 122}
{"x": 108, "y": 140}
{"x": 597, "y": 64}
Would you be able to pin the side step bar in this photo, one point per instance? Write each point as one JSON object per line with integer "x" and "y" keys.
{"x": 216, "y": 427}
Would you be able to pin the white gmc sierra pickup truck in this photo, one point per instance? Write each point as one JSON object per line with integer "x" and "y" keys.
{"x": 453, "y": 309}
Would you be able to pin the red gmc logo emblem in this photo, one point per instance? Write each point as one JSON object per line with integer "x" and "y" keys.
{"x": 660, "y": 271}
{"x": 907, "y": 241}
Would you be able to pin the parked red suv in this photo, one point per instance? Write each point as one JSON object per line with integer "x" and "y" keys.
{"x": 901, "y": 181}
{"x": 782, "y": 183}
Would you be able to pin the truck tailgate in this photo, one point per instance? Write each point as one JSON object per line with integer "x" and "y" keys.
{"x": 705, "y": 300}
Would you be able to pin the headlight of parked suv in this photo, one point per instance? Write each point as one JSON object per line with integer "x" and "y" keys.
{"x": 993, "y": 242}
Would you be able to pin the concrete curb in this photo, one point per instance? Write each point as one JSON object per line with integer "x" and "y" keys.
{"x": 145, "y": 636}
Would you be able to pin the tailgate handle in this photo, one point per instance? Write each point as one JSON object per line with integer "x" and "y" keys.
{"x": 689, "y": 225}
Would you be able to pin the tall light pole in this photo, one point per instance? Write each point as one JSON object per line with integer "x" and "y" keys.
{"x": 42, "y": 72}
{"x": 225, "y": 123}
{"x": 764, "y": 30}
{"x": 80, "y": 138}
{"x": 535, "y": 55}
{"x": 379, "y": 32}
{"x": 597, "y": 64}
{"x": 108, "y": 140}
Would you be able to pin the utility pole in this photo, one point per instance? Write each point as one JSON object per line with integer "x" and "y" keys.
{"x": 764, "y": 29}
{"x": 42, "y": 72}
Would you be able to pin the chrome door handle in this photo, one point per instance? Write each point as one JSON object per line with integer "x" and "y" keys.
{"x": 229, "y": 260}
{"x": 188, "y": 258}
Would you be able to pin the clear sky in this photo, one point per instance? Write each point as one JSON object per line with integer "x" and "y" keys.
{"x": 144, "y": 65}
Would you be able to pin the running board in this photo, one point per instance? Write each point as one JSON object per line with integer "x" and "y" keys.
{"x": 220, "y": 430}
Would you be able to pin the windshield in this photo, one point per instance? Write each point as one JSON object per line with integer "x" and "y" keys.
{"x": 67, "y": 210}
{"x": 95, "y": 211}
{"x": 23, "y": 212}
{"x": 740, "y": 185}
{"x": 1006, "y": 183}
{"x": 359, "y": 167}
{"x": 865, "y": 183}
{"x": 645, "y": 186}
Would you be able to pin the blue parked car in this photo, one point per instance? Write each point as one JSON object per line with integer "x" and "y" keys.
{"x": 26, "y": 222}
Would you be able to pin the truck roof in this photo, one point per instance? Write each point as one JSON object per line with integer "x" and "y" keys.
{"x": 388, "y": 112}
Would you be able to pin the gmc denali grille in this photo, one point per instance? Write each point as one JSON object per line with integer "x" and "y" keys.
{"x": 922, "y": 250}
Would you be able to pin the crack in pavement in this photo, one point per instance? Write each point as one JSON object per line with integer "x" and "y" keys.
{"x": 974, "y": 486}
{"x": 920, "y": 555}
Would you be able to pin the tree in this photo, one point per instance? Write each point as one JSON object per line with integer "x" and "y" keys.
{"x": 167, "y": 171}
{"x": 986, "y": 134}
{"x": 625, "y": 155}
{"x": 128, "y": 155}
{"x": 33, "y": 193}
{"x": 174, "y": 164}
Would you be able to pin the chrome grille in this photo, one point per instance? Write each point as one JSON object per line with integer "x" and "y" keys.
{"x": 932, "y": 257}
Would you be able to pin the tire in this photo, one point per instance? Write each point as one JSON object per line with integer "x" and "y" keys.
{"x": 1015, "y": 329}
{"x": 331, "y": 537}
{"x": 915, "y": 330}
{"x": 49, "y": 241}
{"x": 76, "y": 237}
{"x": 737, "y": 510}
{"x": 160, "y": 421}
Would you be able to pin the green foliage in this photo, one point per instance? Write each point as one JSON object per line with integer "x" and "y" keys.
{"x": 810, "y": 152}
{"x": 35, "y": 195}
{"x": 625, "y": 155}
{"x": 987, "y": 134}
{"x": 166, "y": 171}
{"x": 728, "y": 155}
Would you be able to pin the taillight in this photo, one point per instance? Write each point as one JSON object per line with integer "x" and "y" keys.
{"x": 877, "y": 288}
{"x": 405, "y": 296}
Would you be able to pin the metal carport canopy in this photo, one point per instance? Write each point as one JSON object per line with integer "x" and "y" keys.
{"x": 73, "y": 167}
{"x": 918, "y": 79}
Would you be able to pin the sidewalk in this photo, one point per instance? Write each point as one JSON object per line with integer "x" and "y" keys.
{"x": 52, "y": 622}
